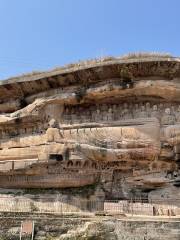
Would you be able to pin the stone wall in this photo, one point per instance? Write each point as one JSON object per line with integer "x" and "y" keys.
{"x": 91, "y": 228}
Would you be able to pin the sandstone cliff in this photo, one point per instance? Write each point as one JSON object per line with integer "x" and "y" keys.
{"x": 114, "y": 122}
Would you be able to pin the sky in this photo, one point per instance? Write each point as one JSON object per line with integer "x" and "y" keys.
{"x": 38, "y": 35}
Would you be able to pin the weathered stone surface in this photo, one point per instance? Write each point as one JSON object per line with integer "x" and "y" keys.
{"x": 66, "y": 228}
{"x": 114, "y": 123}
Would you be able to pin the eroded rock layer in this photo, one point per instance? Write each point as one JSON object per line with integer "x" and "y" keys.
{"x": 115, "y": 122}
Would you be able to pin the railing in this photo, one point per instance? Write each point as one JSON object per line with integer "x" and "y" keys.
{"x": 62, "y": 205}
{"x": 155, "y": 208}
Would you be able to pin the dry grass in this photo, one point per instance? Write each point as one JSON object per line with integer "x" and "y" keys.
{"x": 145, "y": 55}
{"x": 86, "y": 63}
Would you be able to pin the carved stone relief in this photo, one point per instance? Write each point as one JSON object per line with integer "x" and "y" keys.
{"x": 123, "y": 111}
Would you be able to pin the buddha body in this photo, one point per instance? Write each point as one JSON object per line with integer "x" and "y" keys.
{"x": 97, "y": 116}
{"x": 126, "y": 114}
{"x": 115, "y": 112}
{"x": 136, "y": 111}
{"x": 143, "y": 113}
{"x": 178, "y": 115}
{"x": 73, "y": 116}
{"x": 161, "y": 108}
{"x": 67, "y": 116}
{"x": 167, "y": 118}
{"x": 148, "y": 109}
{"x": 155, "y": 112}
{"x": 110, "y": 115}
{"x": 82, "y": 115}
{"x": 104, "y": 112}
{"x": 52, "y": 133}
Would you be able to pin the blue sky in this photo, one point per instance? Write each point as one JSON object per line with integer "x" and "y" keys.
{"x": 42, "y": 34}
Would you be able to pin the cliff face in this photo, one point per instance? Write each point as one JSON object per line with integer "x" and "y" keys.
{"x": 115, "y": 122}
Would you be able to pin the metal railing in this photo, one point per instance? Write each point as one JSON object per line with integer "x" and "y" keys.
{"x": 62, "y": 205}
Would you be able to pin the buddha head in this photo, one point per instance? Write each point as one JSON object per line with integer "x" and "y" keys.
{"x": 98, "y": 111}
{"x": 148, "y": 105}
{"x": 52, "y": 123}
{"x": 67, "y": 110}
{"x": 142, "y": 108}
{"x": 125, "y": 105}
{"x": 168, "y": 111}
{"x": 161, "y": 105}
{"x": 155, "y": 108}
{"x": 110, "y": 110}
{"x": 136, "y": 106}
{"x": 114, "y": 107}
